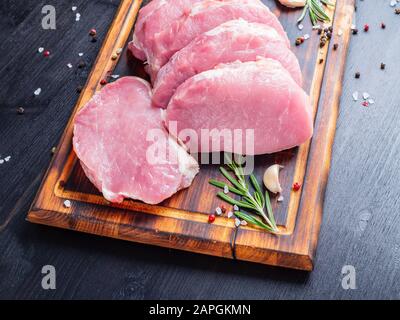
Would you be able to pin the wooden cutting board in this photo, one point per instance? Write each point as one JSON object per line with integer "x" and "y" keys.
{"x": 182, "y": 221}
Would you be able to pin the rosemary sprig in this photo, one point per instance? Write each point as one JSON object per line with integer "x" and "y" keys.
{"x": 316, "y": 10}
{"x": 257, "y": 202}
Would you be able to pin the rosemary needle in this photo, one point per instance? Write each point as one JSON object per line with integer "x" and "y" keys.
{"x": 316, "y": 11}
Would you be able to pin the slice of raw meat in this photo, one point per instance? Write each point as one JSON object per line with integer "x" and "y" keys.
{"x": 204, "y": 16}
{"x": 120, "y": 140}
{"x": 154, "y": 18}
{"x": 231, "y": 41}
{"x": 253, "y": 107}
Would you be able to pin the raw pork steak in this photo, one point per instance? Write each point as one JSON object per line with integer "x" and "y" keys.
{"x": 231, "y": 41}
{"x": 111, "y": 140}
{"x": 204, "y": 16}
{"x": 259, "y": 96}
{"x": 154, "y": 18}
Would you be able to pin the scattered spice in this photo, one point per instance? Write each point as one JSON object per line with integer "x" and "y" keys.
{"x": 280, "y": 198}
{"x": 365, "y": 103}
{"x": 366, "y": 27}
{"x": 41, "y": 49}
{"x": 119, "y": 51}
{"x": 230, "y": 214}
{"x": 37, "y": 91}
{"x": 335, "y": 46}
{"x": 299, "y": 41}
{"x": 223, "y": 209}
{"x": 211, "y": 218}
{"x": 321, "y": 61}
{"x": 46, "y": 53}
{"x": 67, "y": 204}
{"x": 397, "y": 11}
{"x": 81, "y": 64}
{"x": 243, "y": 223}
{"x": 319, "y": 30}
{"x": 77, "y": 17}
{"x": 53, "y": 150}
{"x": 235, "y": 208}
{"x": 226, "y": 189}
{"x": 355, "y": 31}
{"x": 74, "y": 8}
{"x": 383, "y": 66}
{"x": 79, "y": 89}
{"x": 237, "y": 223}
{"x": 383, "y": 25}
{"x": 92, "y": 32}
{"x": 296, "y": 186}
{"x": 20, "y": 110}
{"x": 69, "y": 65}
{"x": 103, "y": 82}
{"x": 218, "y": 211}
{"x": 355, "y": 95}
{"x": 357, "y": 75}
{"x": 114, "y": 56}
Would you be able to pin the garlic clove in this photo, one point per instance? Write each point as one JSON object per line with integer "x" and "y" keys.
{"x": 271, "y": 178}
{"x": 293, "y": 3}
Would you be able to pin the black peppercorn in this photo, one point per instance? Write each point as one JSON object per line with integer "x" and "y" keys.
{"x": 357, "y": 75}
{"x": 20, "y": 111}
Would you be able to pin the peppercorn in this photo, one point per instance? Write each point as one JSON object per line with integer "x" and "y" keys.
{"x": 296, "y": 186}
{"x": 397, "y": 11}
{"x": 326, "y": 30}
{"x": 79, "y": 89}
{"x": 114, "y": 56}
{"x": 211, "y": 218}
{"x": 335, "y": 46}
{"x": 329, "y": 35}
{"x": 46, "y": 53}
{"x": 103, "y": 82}
{"x": 365, "y": 104}
{"x": 321, "y": 61}
{"x": 223, "y": 209}
{"x": 81, "y": 64}
{"x": 92, "y": 32}
{"x": 383, "y": 25}
{"x": 357, "y": 75}
{"x": 322, "y": 43}
{"x": 355, "y": 31}
{"x": 366, "y": 28}
{"x": 299, "y": 41}
{"x": 319, "y": 30}
{"x": 383, "y": 66}
{"x": 330, "y": 29}
{"x": 20, "y": 111}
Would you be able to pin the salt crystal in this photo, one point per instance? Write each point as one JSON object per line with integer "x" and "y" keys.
{"x": 237, "y": 222}
{"x": 366, "y": 95}
{"x": 340, "y": 32}
{"x": 1, "y": 161}
{"x": 353, "y": 27}
{"x": 235, "y": 208}
{"x": 74, "y": 8}
{"x": 78, "y": 17}
{"x": 226, "y": 189}
{"x": 393, "y": 3}
{"x": 80, "y": 54}
{"x": 281, "y": 198}
{"x": 41, "y": 49}
{"x": 316, "y": 27}
{"x": 67, "y": 204}
{"x": 218, "y": 211}
{"x": 300, "y": 26}
{"x": 115, "y": 76}
{"x": 306, "y": 36}
{"x": 119, "y": 50}
{"x": 355, "y": 95}
{"x": 230, "y": 214}
{"x": 37, "y": 91}
{"x": 7, "y": 158}
{"x": 371, "y": 101}
{"x": 243, "y": 223}
{"x": 69, "y": 65}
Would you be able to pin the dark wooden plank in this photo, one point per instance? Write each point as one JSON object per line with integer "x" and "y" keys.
{"x": 364, "y": 155}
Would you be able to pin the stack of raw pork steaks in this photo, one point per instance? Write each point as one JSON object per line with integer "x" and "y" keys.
{"x": 215, "y": 66}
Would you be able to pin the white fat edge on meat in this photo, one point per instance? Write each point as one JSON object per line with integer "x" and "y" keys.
{"x": 187, "y": 165}
{"x": 237, "y": 25}
{"x": 205, "y": 5}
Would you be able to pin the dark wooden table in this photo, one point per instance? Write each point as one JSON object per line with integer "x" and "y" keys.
{"x": 361, "y": 225}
